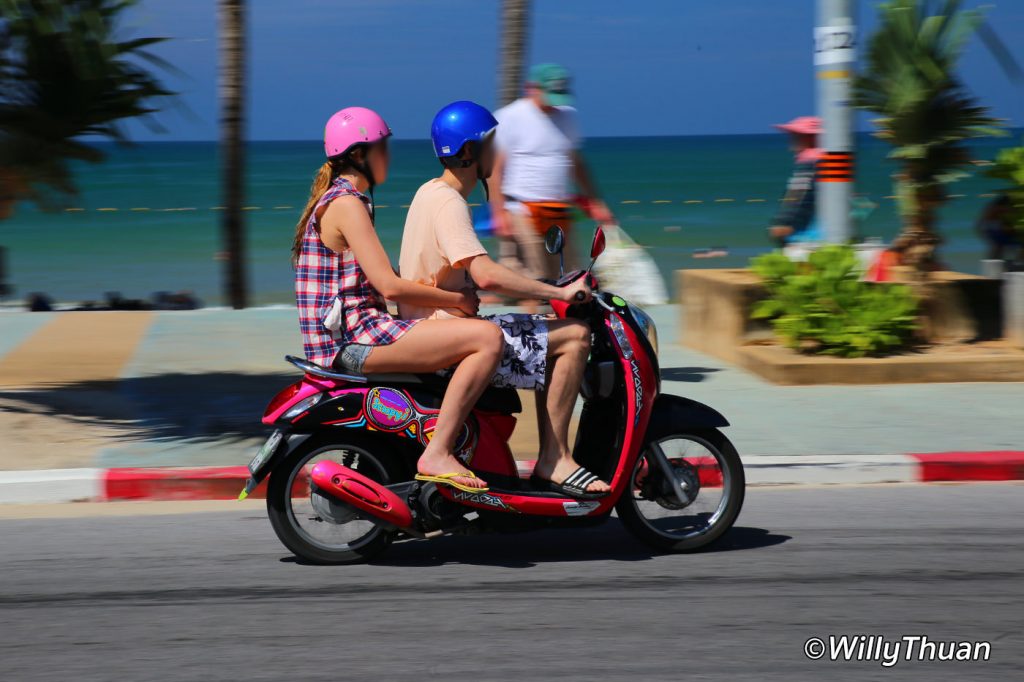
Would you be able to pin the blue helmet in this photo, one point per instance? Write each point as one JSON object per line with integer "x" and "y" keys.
{"x": 458, "y": 123}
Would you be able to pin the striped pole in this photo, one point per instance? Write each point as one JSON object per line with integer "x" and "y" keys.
{"x": 835, "y": 39}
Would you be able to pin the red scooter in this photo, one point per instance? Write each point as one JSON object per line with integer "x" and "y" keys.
{"x": 343, "y": 456}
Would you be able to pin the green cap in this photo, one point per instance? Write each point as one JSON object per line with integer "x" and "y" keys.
{"x": 554, "y": 81}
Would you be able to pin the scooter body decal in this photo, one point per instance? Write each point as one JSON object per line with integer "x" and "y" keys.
{"x": 580, "y": 508}
{"x": 638, "y": 392}
{"x": 428, "y": 429}
{"x": 388, "y": 409}
{"x": 396, "y": 412}
{"x": 482, "y": 499}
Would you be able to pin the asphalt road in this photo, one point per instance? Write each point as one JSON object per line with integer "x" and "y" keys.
{"x": 213, "y": 596}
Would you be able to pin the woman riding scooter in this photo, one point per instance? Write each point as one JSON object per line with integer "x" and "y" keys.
{"x": 343, "y": 275}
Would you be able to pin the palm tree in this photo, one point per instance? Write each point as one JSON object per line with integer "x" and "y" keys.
{"x": 64, "y": 75}
{"x": 925, "y": 113}
{"x": 232, "y": 125}
{"x": 515, "y": 23}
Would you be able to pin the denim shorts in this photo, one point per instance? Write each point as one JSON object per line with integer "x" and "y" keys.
{"x": 352, "y": 357}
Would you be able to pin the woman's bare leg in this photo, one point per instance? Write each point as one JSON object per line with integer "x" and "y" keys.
{"x": 476, "y": 345}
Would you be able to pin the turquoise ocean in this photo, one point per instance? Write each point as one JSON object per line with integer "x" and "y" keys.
{"x": 147, "y": 219}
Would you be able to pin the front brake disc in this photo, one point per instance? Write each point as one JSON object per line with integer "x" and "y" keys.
{"x": 686, "y": 477}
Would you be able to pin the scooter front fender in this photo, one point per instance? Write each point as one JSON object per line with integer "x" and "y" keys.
{"x": 673, "y": 413}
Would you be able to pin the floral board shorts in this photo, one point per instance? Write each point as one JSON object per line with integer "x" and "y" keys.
{"x": 524, "y": 363}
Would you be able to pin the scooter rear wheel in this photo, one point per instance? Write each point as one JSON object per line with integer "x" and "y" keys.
{"x": 317, "y": 528}
{"x": 708, "y": 475}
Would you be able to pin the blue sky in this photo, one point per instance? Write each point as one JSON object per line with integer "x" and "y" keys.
{"x": 683, "y": 67}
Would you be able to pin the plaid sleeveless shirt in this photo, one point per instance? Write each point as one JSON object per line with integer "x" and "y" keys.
{"x": 337, "y": 304}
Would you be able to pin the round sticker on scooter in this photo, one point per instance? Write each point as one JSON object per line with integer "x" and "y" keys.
{"x": 388, "y": 409}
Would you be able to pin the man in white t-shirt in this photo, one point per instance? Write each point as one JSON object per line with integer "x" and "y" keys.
{"x": 538, "y": 162}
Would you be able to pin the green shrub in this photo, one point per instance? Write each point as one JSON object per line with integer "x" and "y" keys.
{"x": 822, "y": 306}
{"x": 1009, "y": 167}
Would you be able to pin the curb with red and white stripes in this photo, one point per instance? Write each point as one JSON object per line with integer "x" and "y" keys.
{"x": 224, "y": 483}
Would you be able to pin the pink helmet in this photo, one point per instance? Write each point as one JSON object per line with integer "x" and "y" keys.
{"x": 352, "y": 126}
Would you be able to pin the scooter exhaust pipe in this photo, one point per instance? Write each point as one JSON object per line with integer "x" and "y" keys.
{"x": 356, "y": 490}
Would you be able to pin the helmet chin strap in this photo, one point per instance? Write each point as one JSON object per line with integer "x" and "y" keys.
{"x": 483, "y": 183}
{"x": 474, "y": 157}
{"x": 367, "y": 173}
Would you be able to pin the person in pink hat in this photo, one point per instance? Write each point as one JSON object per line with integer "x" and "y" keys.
{"x": 343, "y": 275}
{"x": 795, "y": 221}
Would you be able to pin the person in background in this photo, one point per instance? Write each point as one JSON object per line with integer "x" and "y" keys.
{"x": 38, "y": 303}
{"x": 538, "y": 161}
{"x": 795, "y": 221}
{"x": 995, "y": 226}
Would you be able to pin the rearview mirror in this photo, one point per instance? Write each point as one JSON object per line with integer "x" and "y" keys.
{"x": 554, "y": 240}
{"x": 597, "y": 248}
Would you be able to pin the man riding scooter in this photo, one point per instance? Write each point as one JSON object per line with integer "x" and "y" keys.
{"x": 440, "y": 248}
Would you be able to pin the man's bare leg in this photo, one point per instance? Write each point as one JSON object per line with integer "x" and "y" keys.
{"x": 568, "y": 349}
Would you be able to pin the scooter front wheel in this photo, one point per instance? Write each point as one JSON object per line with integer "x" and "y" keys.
{"x": 685, "y": 491}
{"x": 318, "y": 528}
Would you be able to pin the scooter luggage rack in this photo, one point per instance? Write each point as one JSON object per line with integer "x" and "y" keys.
{"x": 322, "y": 372}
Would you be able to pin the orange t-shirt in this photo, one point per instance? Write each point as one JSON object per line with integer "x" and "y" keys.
{"x": 438, "y": 236}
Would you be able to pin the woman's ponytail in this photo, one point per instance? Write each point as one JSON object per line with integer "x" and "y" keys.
{"x": 321, "y": 183}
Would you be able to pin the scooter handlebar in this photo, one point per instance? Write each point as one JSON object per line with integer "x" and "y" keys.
{"x": 569, "y": 278}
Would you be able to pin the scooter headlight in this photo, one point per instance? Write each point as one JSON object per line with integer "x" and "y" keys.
{"x": 647, "y": 324}
{"x": 619, "y": 330}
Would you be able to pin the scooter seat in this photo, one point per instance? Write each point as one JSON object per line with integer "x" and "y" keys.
{"x": 429, "y": 388}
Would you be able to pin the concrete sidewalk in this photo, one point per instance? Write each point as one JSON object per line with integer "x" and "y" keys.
{"x": 187, "y": 389}
{"x": 225, "y": 482}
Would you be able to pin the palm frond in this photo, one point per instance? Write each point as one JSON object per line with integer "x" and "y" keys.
{"x": 65, "y": 75}
{"x": 910, "y": 82}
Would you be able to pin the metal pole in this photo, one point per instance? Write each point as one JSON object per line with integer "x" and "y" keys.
{"x": 835, "y": 39}
{"x": 1013, "y": 308}
{"x": 993, "y": 268}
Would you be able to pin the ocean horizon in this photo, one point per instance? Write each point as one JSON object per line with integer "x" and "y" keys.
{"x": 147, "y": 219}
